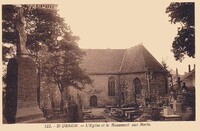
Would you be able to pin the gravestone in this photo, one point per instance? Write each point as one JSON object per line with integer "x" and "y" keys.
{"x": 168, "y": 111}
{"x": 177, "y": 107}
{"x": 21, "y": 92}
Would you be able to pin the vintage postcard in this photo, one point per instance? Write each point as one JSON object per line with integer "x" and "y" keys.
{"x": 99, "y": 65}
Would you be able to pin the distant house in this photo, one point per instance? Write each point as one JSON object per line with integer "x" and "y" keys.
{"x": 188, "y": 78}
{"x": 122, "y": 76}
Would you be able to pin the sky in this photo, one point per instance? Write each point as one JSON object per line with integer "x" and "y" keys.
{"x": 120, "y": 24}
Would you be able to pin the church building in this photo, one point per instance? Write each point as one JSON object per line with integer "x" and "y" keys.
{"x": 122, "y": 76}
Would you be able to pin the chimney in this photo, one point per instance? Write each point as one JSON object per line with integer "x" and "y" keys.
{"x": 189, "y": 69}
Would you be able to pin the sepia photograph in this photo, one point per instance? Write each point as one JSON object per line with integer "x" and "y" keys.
{"x": 98, "y": 63}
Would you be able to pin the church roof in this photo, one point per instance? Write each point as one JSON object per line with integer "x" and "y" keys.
{"x": 102, "y": 60}
{"x": 108, "y": 61}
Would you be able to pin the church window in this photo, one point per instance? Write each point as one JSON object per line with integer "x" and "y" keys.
{"x": 111, "y": 86}
{"x": 138, "y": 86}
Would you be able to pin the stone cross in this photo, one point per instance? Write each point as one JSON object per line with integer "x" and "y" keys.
{"x": 21, "y": 46}
{"x": 21, "y": 104}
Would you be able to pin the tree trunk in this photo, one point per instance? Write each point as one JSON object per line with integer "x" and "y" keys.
{"x": 61, "y": 102}
{"x": 61, "y": 89}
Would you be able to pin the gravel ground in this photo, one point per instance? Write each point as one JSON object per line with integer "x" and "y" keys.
{"x": 94, "y": 111}
{"x": 100, "y": 112}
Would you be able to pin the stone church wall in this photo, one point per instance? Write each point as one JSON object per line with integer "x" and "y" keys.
{"x": 131, "y": 89}
{"x": 158, "y": 84}
{"x": 99, "y": 88}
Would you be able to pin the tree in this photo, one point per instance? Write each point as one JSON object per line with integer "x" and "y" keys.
{"x": 184, "y": 42}
{"x": 62, "y": 66}
{"x": 45, "y": 28}
{"x": 42, "y": 27}
{"x": 169, "y": 75}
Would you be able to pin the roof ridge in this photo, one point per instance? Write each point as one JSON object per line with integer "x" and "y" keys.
{"x": 120, "y": 68}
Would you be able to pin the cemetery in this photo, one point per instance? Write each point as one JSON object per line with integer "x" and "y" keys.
{"x": 61, "y": 83}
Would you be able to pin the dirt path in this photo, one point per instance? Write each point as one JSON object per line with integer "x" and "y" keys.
{"x": 99, "y": 112}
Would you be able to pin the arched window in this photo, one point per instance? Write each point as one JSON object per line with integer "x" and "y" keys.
{"x": 137, "y": 85}
{"x": 111, "y": 86}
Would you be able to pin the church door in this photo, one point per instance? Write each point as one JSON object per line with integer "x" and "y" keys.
{"x": 93, "y": 101}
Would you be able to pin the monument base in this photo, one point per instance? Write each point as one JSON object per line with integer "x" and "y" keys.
{"x": 21, "y": 95}
{"x": 29, "y": 115}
